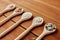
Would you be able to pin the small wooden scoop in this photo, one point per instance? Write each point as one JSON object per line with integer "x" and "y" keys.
{"x": 8, "y": 8}
{"x": 48, "y": 28}
{"x": 25, "y": 16}
{"x": 16, "y": 12}
{"x": 36, "y": 21}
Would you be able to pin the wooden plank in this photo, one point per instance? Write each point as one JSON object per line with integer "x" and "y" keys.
{"x": 53, "y": 2}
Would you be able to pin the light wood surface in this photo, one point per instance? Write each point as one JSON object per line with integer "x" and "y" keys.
{"x": 48, "y": 9}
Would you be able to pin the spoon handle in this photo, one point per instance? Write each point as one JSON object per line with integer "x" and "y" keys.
{"x": 2, "y": 12}
{"x": 10, "y": 28}
{"x": 24, "y": 33}
{"x": 6, "y": 19}
{"x": 41, "y": 36}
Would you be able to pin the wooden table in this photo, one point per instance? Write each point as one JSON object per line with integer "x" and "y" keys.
{"x": 48, "y": 9}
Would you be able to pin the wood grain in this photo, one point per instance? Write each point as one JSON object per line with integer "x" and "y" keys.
{"x": 48, "y": 9}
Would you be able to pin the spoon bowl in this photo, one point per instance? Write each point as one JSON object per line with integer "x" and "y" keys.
{"x": 50, "y": 28}
{"x": 10, "y": 7}
{"x": 37, "y": 21}
{"x": 26, "y": 15}
{"x": 18, "y": 11}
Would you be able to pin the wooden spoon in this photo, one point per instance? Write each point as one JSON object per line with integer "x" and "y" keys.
{"x": 48, "y": 28}
{"x": 36, "y": 21}
{"x": 16, "y": 12}
{"x": 25, "y": 16}
{"x": 8, "y": 8}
